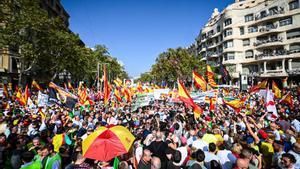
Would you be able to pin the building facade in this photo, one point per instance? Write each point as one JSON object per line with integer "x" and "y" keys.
{"x": 256, "y": 38}
{"x": 9, "y": 60}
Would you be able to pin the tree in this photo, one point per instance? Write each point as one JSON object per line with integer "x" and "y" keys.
{"x": 102, "y": 56}
{"x": 44, "y": 45}
{"x": 175, "y": 63}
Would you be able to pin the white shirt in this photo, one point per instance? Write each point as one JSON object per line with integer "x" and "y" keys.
{"x": 200, "y": 144}
{"x": 297, "y": 157}
{"x": 296, "y": 125}
{"x": 184, "y": 153}
{"x": 209, "y": 157}
{"x": 227, "y": 159}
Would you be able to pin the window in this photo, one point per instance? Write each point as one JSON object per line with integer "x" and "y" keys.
{"x": 249, "y": 54}
{"x": 263, "y": 14}
{"x": 218, "y": 28}
{"x": 273, "y": 10}
{"x": 252, "y": 29}
{"x": 249, "y": 18}
{"x": 246, "y": 42}
{"x": 228, "y": 22}
{"x": 294, "y": 5}
{"x": 242, "y": 31}
{"x": 293, "y": 34}
{"x": 227, "y": 32}
{"x": 228, "y": 44}
{"x": 284, "y": 22}
{"x": 229, "y": 56}
{"x": 295, "y": 47}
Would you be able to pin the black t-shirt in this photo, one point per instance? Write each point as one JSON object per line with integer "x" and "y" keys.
{"x": 172, "y": 166}
{"x": 159, "y": 149}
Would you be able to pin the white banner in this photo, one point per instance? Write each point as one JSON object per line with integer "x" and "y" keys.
{"x": 42, "y": 99}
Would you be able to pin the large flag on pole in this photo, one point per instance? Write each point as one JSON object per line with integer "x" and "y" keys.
{"x": 106, "y": 87}
{"x": 185, "y": 97}
{"x": 210, "y": 76}
{"x": 276, "y": 90}
{"x": 199, "y": 81}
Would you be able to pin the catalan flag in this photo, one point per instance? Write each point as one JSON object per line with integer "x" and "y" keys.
{"x": 287, "y": 99}
{"x": 276, "y": 90}
{"x": 199, "y": 81}
{"x": 210, "y": 76}
{"x": 118, "y": 82}
{"x": 185, "y": 97}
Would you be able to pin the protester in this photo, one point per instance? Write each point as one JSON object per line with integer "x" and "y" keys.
{"x": 167, "y": 133}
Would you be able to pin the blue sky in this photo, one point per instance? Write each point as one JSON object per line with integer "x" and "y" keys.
{"x": 136, "y": 31}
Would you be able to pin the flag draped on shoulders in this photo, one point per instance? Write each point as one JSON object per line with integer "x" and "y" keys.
{"x": 199, "y": 81}
{"x": 185, "y": 97}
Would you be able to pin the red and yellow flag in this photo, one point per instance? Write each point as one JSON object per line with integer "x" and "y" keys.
{"x": 185, "y": 97}
{"x": 117, "y": 95}
{"x": 127, "y": 94}
{"x": 82, "y": 96}
{"x": 118, "y": 82}
{"x": 70, "y": 87}
{"x": 210, "y": 76}
{"x": 5, "y": 91}
{"x": 261, "y": 85}
{"x": 199, "y": 81}
{"x": 36, "y": 85}
{"x": 276, "y": 90}
{"x": 235, "y": 104}
{"x": 287, "y": 99}
{"x": 106, "y": 87}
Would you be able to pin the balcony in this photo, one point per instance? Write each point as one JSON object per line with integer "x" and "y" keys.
{"x": 268, "y": 15}
{"x": 212, "y": 54}
{"x": 273, "y": 73}
{"x": 267, "y": 41}
{"x": 278, "y": 54}
{"x": 268, "y": 28}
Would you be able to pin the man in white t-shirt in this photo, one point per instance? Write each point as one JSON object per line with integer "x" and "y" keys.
{"x": 199, "y": 143}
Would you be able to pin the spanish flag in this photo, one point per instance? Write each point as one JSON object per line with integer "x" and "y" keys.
{"x": 26, "y": 94}
{"x": 287, "y": 99}
{"x": 199, "y": 81}
{"x": 36, "y": 85}
{"x": 20, "y": 98}
{"x": 235, "y": 104}
{"x": 117, "y": 95}
{"x": 210, "y": 76}
{"x": 185, "y": 97}
{"x": 276, "y": 90}
{"x": 127, "y": 94}
{"x": 261, "y": 85}
{"x": 106, "y": 87}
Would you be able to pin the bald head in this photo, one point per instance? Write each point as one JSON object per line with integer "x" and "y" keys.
{"x": 155, "y": 163}
{"x": 242, "y": 163}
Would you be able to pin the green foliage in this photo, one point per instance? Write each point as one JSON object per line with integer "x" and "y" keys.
{"x": 45, "y": 47}
{"x": 173, "y": 64}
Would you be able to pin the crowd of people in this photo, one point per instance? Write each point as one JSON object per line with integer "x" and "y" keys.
{"x": 168, "y": 136}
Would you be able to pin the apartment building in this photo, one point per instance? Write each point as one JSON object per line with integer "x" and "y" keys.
{"x": 9, "y": 60}
{"x": 256, "y": 38}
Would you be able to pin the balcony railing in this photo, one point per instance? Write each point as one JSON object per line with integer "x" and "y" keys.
{"x": 273, "y": 13}
{"x": 265, "y": 41}
{"x": 275, "y": 53}
{"x": 268, "y": 28}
